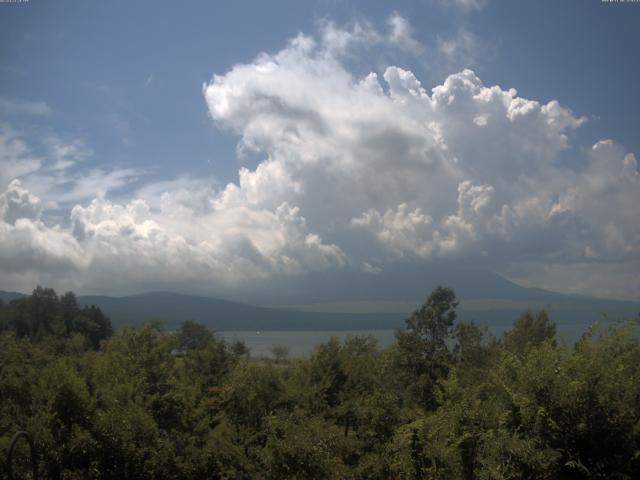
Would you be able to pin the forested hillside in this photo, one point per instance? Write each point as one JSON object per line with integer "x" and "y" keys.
{"x": 444, "y": 402}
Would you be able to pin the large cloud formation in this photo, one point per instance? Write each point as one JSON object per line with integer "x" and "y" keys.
{"x": 357, "y": 172}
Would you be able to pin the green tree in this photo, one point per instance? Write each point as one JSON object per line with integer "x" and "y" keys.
{"x": 422, "y": 351}
{"x": 279, "y": 352}
{"x": 530, "y": 331}
{"x": 45, "y": 316}
{"x": 70, "y": 311}
{"x": 327, "y": 374}
{"x": 239, "y": 349}
{"x": 193, "y": 335}
{"x": 470, "y": 348}
{"x": 94, "y": 324}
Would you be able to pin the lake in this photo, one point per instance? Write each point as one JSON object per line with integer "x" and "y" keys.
{"x": 302, "y": 343}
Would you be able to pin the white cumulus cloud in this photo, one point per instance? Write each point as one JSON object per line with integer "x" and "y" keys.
{"x": 357, "y": 171}
{"x": 16, "y": 202}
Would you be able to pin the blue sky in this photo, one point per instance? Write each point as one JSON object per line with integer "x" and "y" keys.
{"x": 121, "y": 86}
{"x": 90, "y": 62}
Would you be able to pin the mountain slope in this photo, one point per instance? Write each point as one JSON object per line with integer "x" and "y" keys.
{"x": 6, "y": 297}
{"x": 402, "y": 282}
{"x": 484, "y": 297}
{"x": 223, "y": 315}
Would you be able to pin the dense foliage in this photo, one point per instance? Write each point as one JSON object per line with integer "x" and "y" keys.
{"x": 443, "y": 402}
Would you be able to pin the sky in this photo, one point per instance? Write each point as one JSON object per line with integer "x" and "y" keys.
{"x": 213, "y": 147}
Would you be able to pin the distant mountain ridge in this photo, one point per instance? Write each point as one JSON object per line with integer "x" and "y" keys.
{"x": 221, "y": 315}
{"x": 408, "y": 282}
{"x": 6, "y": 297}
{"x": 485, "y": 297}
{"x": 224, "y": 315}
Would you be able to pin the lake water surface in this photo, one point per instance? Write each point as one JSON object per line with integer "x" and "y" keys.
{"x": 302, "y": 343}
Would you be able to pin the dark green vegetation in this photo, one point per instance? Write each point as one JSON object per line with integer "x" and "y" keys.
{"x": 443, "y": 402}
{"x": 45, "y": 316}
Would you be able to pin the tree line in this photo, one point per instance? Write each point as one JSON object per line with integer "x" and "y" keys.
{"x": 446, "y": 401}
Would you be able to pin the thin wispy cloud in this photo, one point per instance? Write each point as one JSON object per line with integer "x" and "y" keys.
{"x": 460, "y": 50}
{"x": 12, "y": 107}
{"x": 401, "y": 34}
{"x": 12, "y": 70}
{"x": 465, "y": 5}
